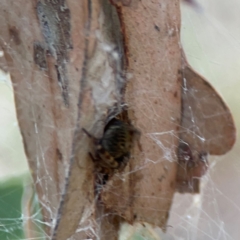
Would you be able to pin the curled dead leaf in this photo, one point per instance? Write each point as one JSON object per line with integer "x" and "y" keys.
{"x": 207, "y": 127}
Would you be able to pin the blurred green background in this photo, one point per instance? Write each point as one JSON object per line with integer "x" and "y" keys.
{"x": 13, "y": 166}
{"x": 211, "y": 40}
{"x": 11, "y": 222}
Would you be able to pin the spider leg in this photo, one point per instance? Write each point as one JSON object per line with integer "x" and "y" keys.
{"x": 91, "y": 156}
{"x": 86, "y": 132}
{"x": 90, "y": 136}
{"x": 123, "y": 163}
{"x": 110, "y": 162}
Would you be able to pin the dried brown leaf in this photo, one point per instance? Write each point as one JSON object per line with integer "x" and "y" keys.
{"x": 207, "y": 127}
{"x": 206, "y": 120}
{"x": 151, "y": 32}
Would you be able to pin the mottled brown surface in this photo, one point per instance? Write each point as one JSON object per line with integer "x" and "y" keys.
{"x": 56, "y": 98}
{"x": 47, "y": 123}
{"x": 144, "y": 192}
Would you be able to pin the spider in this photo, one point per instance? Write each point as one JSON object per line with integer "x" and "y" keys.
{"x": 112, "y": 151}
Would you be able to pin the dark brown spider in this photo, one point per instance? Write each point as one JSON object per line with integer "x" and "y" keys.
{"x": 112, "y": 151}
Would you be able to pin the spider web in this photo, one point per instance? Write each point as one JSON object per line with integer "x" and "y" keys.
{"x": 210, "y": 42}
